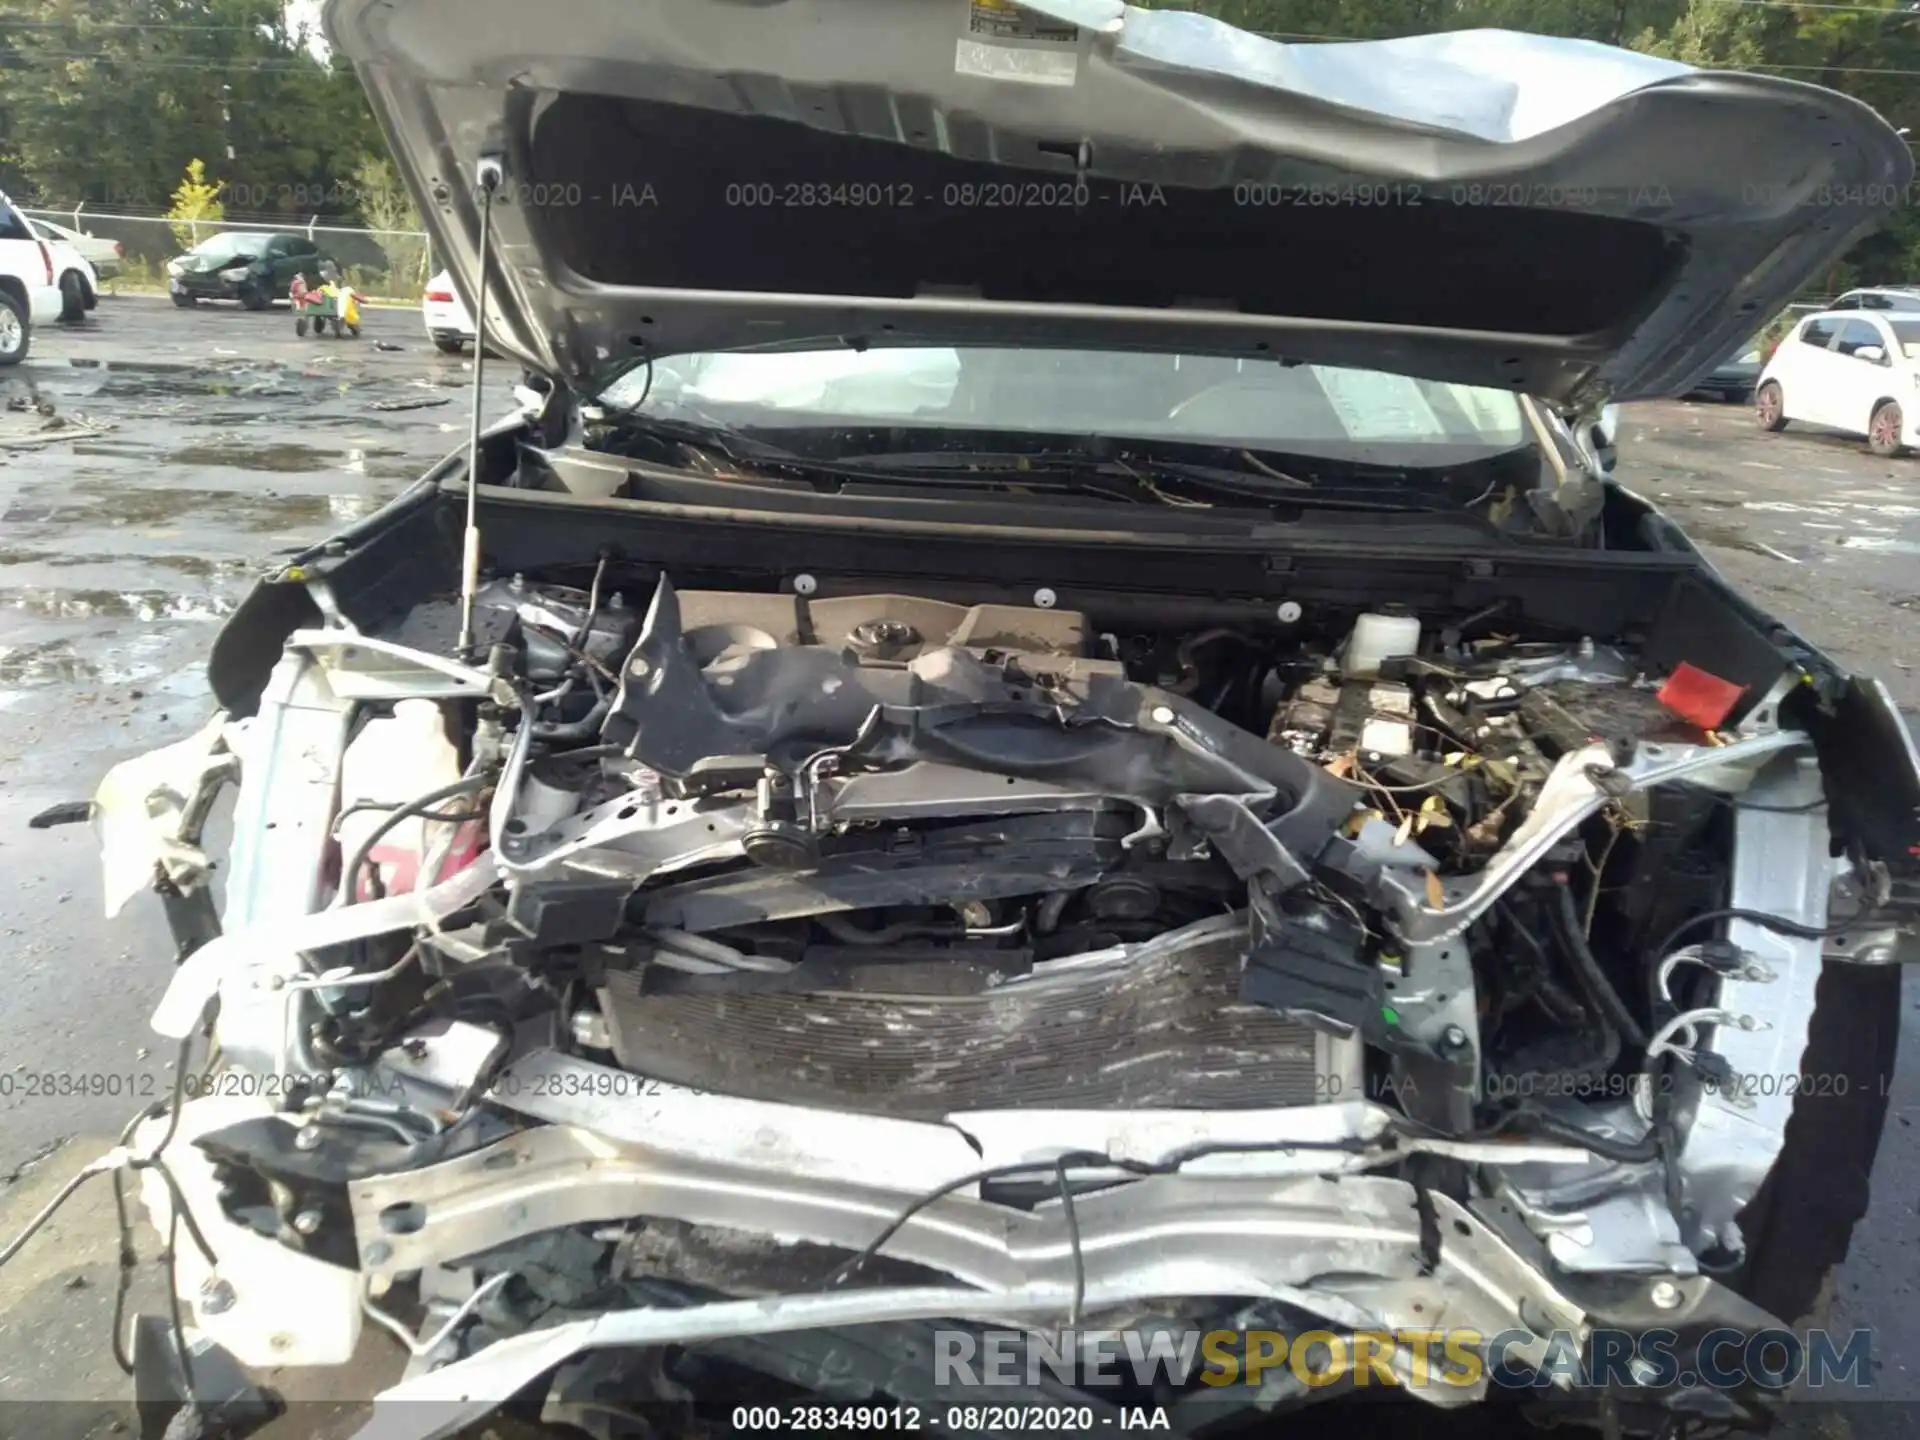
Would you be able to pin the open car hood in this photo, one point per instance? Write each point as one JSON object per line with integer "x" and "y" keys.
{"x": 1545, "y": 215}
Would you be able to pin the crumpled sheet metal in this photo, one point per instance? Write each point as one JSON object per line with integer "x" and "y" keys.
{"x": 1497, "y": 85}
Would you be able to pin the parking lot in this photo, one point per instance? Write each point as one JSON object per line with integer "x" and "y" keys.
{"x": 153, "y": 459}
{"x": 1815, "y": 527}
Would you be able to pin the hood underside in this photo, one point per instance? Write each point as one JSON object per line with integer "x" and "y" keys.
{"x": 1545, "y": 215}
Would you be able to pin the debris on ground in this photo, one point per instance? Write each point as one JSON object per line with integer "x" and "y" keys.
{"x": 45, "y": 1152}
{"x": 52, "y": 431}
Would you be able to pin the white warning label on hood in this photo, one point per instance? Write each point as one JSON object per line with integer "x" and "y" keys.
{"x": 1005, "y": 42}
{"x": 1003, "y": 20}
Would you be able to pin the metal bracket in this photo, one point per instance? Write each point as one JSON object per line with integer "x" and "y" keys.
{"x": 1780, "y": 866}
{"x": 1580, "y": 784}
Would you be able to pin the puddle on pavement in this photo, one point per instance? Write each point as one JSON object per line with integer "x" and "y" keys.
{"x": 198, "y": 566}
{"x": 88, "y": 502}
{"x": 152, "y": 658}
{"x": 281, "y": 458}
{"x": 243, "y": 425}
{"x": 378, "y": 462}
{"x": 1833, "y": 507}
{"x": 182, "y": 392}
{"x": 52, "y": 662}
{"x": 1881, "y": 544}
{"x": 1726, "y": 537}
{"x": 132, "y": 367}
{"x": 145, "y": 605}
{"x": 111, "y": 450}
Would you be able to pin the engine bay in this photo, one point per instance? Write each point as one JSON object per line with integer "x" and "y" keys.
{"x": 675, "y": 935}
{"x": 894, "y": 854}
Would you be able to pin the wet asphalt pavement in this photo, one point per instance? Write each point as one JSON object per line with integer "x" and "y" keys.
{"x": 184, "y": 449}
{"x": 223, "y": 439}
{"x": 210, "y": 440}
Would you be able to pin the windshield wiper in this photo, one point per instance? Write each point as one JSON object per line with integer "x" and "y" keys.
{"x": 1171, "y": 482}
{"x": 709, "y": 436}
{"x": 1126, "y": 478}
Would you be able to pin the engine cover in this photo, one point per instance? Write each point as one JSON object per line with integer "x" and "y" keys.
{"x": 723, "y": 673}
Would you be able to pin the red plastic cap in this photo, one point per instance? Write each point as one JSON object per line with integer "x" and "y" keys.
{"x": 1698, "y": 697}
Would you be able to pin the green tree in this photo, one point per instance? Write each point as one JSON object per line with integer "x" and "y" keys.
{"x": 106, "y": 100}
{"x": 387, "y": 207}
{"x": 1868, "y": 51}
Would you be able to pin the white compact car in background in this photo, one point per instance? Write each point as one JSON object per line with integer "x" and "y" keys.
{"x": 106, "y": 256}
{"x": 1880, "y": 297}
{"x": 74, "y": 275}
{"x": 1853, "y": 371}
{"x": 448, "y": 324}
{"x": 29, "y": 288}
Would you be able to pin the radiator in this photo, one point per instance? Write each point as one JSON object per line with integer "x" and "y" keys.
{"x": 1157, "y": 1024}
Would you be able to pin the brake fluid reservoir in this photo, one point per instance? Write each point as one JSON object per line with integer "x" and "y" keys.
{"x": 392, "y": 760}
{"x": 1378, "y": 637}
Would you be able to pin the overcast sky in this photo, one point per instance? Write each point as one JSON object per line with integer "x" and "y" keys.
{"x": 307, "y": 13}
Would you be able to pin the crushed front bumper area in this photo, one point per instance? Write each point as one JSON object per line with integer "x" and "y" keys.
{"x": 1256, "y": 1208}
{"x": 1361, "y": 1251}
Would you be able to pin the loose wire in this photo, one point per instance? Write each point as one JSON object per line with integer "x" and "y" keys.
{"x": 173, "y": 1302}
{"x": 419, "y": 1348}
{"x": 1073, "y": 1242}
{"x": 1753, "y": 917}
{"x": 1595, "y": 982}
{"x": 1079, "y": 1160}
{"x": 350, "y": 873}
{"x": 67, "y": 1191}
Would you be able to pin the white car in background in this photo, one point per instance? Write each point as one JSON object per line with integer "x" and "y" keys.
{"x": 1848, "y": 370}
{"x": 74, "y": 275}
{"x": 29, "y": 291}
{"x": 449, "y": 325}
{"x": 106, "y": 256}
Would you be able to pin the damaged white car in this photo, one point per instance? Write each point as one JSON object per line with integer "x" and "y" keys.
{"x": 1045, "y": 721}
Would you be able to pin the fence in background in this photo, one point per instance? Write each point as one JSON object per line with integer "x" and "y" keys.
{"x": 386, "y": 263}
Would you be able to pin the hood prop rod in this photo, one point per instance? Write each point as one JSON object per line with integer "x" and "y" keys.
{"x": 488, "y": 173}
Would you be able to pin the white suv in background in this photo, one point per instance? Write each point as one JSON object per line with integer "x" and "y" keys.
{"x": 29, "y": 291}
{"x": 1851, "y": 370}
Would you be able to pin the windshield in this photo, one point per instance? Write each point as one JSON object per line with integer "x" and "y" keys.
{"x": 1260, "y": 404}
{"x": 1906, "y": 334}
{"x": 221, "y": 247}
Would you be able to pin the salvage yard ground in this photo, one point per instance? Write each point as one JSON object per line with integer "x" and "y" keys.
{"x": 210, "y": 439}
